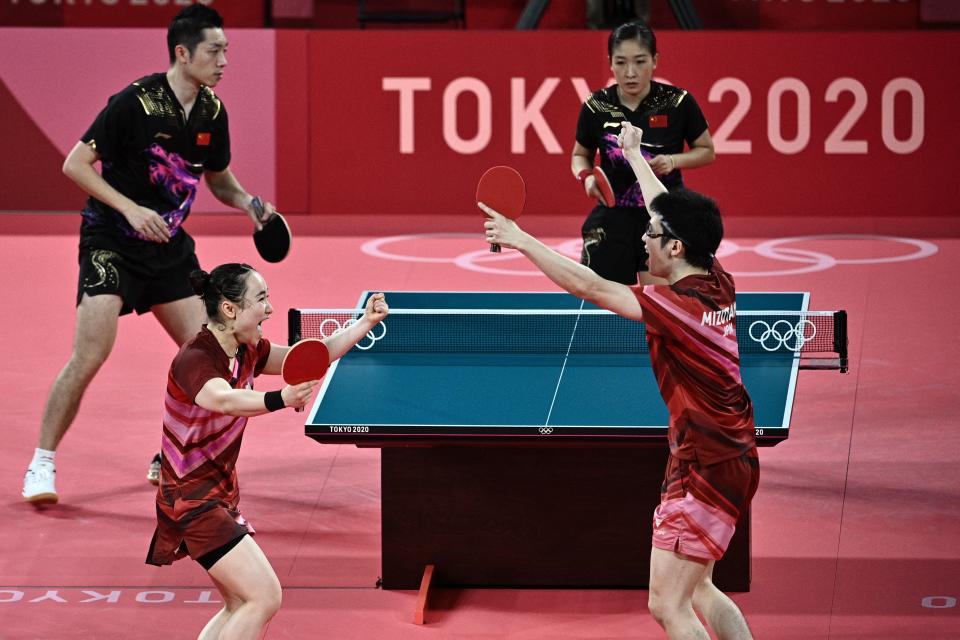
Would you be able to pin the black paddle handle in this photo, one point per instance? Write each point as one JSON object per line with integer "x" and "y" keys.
{"x": 257, "y": 205}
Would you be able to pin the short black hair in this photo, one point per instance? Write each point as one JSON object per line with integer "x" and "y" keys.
{"x": 636, "y": 30}
{"x": 187, "y": 27}
{"x": 694, "y": 219}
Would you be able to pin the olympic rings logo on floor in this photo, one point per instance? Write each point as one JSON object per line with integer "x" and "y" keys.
{"x": 331, "y": 327}
{"x": 782, "y": 335}
{"x": 512, "y": 263}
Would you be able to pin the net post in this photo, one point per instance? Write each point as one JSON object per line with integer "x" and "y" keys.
{"x": 840, "y": 339}
{"x": 294, "y": 331}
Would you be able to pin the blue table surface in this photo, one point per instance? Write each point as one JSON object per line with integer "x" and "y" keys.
{"x": 467, "y": 394}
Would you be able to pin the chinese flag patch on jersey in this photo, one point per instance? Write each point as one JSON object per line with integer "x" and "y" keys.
{"x": 658, "y": 122}
{"x": 203, "y": 139}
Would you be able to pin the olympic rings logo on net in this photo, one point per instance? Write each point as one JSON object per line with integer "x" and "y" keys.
{"x": 782, "y": 334}
{"x": 332, "y": 326}
{"x": 784, "y": 250}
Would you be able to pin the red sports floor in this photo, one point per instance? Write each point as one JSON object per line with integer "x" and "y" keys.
{"x": 856, "y": 523}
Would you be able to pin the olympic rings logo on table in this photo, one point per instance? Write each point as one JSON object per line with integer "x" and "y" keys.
{"x": 799, "y": 260}
{"x": 332, "y": 326}
{"x": 782, "y": 334}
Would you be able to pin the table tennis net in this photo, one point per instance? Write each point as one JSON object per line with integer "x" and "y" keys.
{"x": 593, "y": 331}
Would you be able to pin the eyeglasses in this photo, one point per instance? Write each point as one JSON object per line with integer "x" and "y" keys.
{"x": 650, "y": 233}
{"x": 667, "y": 232}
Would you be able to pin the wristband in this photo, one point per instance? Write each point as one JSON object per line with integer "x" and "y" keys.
{"x": 584, "y": 174}
{"x": 273, "y": 401}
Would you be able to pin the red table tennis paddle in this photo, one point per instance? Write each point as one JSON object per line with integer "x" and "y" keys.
{"x": 306, "y": 360}
{"x": 273, "y": 239}
{"x": 501, "y": 188}
{"x": 603, "y": 184}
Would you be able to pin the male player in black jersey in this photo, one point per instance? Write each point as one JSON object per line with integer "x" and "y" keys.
{"x": 154, "y": 140}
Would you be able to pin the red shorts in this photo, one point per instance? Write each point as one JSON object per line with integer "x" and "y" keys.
{"x": 700, "y": 505}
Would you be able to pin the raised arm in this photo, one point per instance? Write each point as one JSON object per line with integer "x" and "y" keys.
{"x": 650, "y": 185}
{"x": 375, "y": 311}
{"x": 341, "y": 342}
{"x": 568, "y": 274}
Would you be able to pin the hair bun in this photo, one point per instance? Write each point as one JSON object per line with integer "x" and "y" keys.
{"x": 200, "y": 281}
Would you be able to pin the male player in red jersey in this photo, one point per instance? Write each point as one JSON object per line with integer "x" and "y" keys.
{"x": 713, "y": 469}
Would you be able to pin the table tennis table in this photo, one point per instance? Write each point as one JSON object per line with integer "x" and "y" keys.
{"x": 523, "y": 436}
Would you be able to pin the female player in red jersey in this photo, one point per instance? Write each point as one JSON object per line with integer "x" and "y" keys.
{"x": 713, "y": 469}
{"x": 209, "y": 398}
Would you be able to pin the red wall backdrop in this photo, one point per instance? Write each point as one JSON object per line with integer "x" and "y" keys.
{"x": 121, "y": 13}
{"x": 404, "y": 122}
{"x": 859, "y": 124}
{"x": 53, "y": 82}
{"x": 830, "y": 15}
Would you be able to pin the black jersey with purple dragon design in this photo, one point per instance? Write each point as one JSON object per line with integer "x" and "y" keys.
{"x": 154, "y": 154}
{"x": 668, "y": 116}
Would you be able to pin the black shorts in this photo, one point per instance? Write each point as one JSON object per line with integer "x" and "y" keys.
{"x": 613, "y": 242}
{"x": 207, "y": 560}
{"x": 142, "y": 273}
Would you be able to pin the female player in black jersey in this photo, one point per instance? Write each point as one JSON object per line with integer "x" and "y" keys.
{"x": 675, "y": 137}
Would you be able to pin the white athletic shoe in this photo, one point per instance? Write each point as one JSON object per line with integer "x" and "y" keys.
{"x": 38, "y": 485}
{"x": 153, "y": 473}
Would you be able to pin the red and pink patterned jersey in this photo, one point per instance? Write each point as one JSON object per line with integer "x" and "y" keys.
{"x": 691, "y": 332}
{"x": 198, "y": 497}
